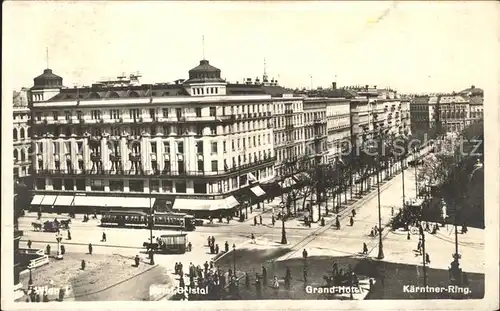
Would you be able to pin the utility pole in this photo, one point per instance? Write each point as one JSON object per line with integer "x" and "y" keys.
{"x": 380, "y": 246}
{"x": 151, "y": 256}
{"x": 422, "y": 233}
{"x": 403, "y": 179}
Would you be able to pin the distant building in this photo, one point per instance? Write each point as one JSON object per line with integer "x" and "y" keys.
{"x": 442, "y": 113}
{"x": 21, "y": 136}
{"x": 192, "y": 144}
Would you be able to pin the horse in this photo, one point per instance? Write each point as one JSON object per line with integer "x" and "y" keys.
{"x": 150, "y": 246}
{"x": 36, "y": 226}
{"x": 65, "y": 223}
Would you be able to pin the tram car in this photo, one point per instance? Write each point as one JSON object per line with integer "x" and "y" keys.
{"x": 178, "y": 221}
{"x": 138, "y": 219}
{"x": 172, "y": 243}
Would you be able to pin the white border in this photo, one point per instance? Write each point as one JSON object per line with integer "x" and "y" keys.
{"x": 490, "y": 302}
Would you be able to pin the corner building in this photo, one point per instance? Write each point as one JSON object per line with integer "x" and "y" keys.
{"x": 196, "y": 144}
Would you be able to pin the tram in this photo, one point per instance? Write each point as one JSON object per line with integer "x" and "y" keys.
{"x": 138, "y": 219}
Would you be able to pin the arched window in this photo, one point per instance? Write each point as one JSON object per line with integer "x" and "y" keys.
{"x": 113, "y": 95}
{"x": 16, "y": 155}
{"x": 22, "y": 133}
{"x": 133, "y": 94}
{"x": 94, "y": 95}
{"x": 14, "y": 134}
{"x": 23, "y": 155}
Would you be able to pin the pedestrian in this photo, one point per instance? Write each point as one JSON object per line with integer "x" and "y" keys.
{"x": 227, "y": 218}
{"x": 213, "y": 240}
{"x": 48, "y": 249}
{"x": 181, "y": 270}
{"x": 264, "y": 275}
{"x": 104, "y": 237}
{"x": 226, "y": 247}
{"x": 216, "y": 249}
{"x": 39, "y": 214}
{"x": 190, "y": 246}
{"x": 181, "y": 282}
{"x": 427, "y": 258}
{"x": 83, "y": 264}
{"x": 365, "y": 249}
{"x": 90, "y": 248}
{"x": 408, "y": 235}
{"x": 337, "y": 222}
{"x": 375, "y": 229}
{"x": 304, "y": 254}
{"x": 38, "y": 297}
{"x": 351, "y": 221}
{"x": 276, "y": 285}
{"x": 137, "y": 261}
{"x": 322, "y": 221}
{"x": 353, "y": 213}
{"x": 209, "y": 242}
{"x": 69, "y": 235}
{"x": 29, "y": 243}
{"x": 205, "y": 265}
{"x": 211, "y": 221}
{"x": 211, "y": 264}
{"x": 63, "y": 250}
{"x": 45, "y": 297}
{"x": 253, "y": 238}
{"x": 260, "y": 219}
{"x": 251, "y": 209}
{"x": 255, "y": 221}
{"x": 273, "y": 220}
{"x": 419, "y": 246}
{"x": 247, "y": 280}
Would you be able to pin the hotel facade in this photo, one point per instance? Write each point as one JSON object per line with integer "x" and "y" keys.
{"x": 200, "y": 143}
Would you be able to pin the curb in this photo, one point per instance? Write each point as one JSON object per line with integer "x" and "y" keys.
{"x": 84, "y": 244}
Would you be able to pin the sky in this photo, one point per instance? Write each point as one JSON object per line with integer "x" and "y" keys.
{"x": 413, "y": 47}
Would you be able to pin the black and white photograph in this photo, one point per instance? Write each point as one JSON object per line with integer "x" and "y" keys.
{"x": 269, "y": 154}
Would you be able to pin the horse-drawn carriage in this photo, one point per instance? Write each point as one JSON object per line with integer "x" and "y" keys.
{"x": 51, "y": 226}
{"x": 408, "y": 218}
{"x": 168, "y": 244}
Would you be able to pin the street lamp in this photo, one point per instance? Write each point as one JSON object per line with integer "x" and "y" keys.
{"x": 58, "y": 239}
{"x": 415, "y": 163}
{"x": 30, "y": 281}
{"x": 283, "y": 232}
{"x": 151, "y": 220}
{"x": 422, "y": 234}
{"x": 380, "y": 246}
{"x": 234, "y": 259}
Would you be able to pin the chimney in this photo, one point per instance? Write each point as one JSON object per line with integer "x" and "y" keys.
{"x": 375, "y": 87}
{"x": 334, "y": 85}
{"x": 366, "y": 86}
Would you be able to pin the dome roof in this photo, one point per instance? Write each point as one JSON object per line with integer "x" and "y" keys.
{"x": 47, "y": 80}
{"x": 204, "y": 66}
{"x": 204, "y": 72}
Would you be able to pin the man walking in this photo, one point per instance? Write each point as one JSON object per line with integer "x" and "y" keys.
{"x": 104, "y": 237}
{"x": 365, "y": 249}
{"x": 90, "y": 248}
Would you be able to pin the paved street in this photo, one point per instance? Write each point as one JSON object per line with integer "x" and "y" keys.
{"x": 319, "y": 241}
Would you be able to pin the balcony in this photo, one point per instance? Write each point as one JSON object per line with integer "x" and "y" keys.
{"x": 319, "y": 121}
{"x": 208, "y": 119}
{"x": 95, "y": 156}
{"x": 115, "y": 157}
{"x": 242, "y": 169}
{"x": 136, "y": 157}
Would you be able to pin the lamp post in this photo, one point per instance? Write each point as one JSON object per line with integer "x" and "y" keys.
{"x": 58, "y": 239}
{"x": 234, "y": 259}
{"x": 380, "y": 246}
{"x": 283, "y": 232}
{"x": 415, "y": 163}
{"x": 151, "y": 252}
{"x": 30, "y": 281}
{"x": 422, "y": 234}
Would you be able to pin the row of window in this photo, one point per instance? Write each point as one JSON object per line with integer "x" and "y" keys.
{"x": 311, "y": 116}
{"x": 201, "y": 90}
{"x": 136, "y": 113}
{"x": 21, "y": 133}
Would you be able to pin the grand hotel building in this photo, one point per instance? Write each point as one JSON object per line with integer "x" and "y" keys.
{"x": 196, "y": 144}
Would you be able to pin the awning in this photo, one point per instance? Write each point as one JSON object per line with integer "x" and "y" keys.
{"x": 288, "y": 182}
{"x": 258, "y": 191}
{"x": 200, "y": 205}
{"x": 48, "y": 200}
{"x": 37, "y": 199}
{"x": 113, "y": 202}
{"x": 64, "y": 200}
{"x": 231, "y": 201}
{"x": 251, "y": 177}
